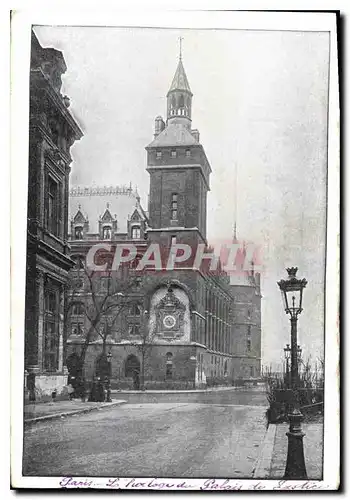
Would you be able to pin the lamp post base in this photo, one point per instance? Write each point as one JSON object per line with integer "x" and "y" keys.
{"x": 295, "y": 468}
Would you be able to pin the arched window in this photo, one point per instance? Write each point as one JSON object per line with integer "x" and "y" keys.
{"x": 173, "y": 102}
{"x": 78, "y": 308}
{"x": 181, "y": 101}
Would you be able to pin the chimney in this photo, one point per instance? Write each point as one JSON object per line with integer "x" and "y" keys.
{"x": 195, "y": 134}
{"x": 159, "y": 126}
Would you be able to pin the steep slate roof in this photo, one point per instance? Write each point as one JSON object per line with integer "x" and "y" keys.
{"x": 180, "y": 81}
{"x": 175, "y": 134}
{"x": 93, "y": 203}
{"x": 240, "y": 279}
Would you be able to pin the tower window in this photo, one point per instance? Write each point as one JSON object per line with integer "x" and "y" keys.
{"x": 158, "y": 155}
{"x": 249, "y": 345}
{"x": 135, "y": 232}
{"x": 188, "y": 153}
{"x": 173, "y": 153}
{"x": 107, "y": 233}
{"x": 174, "y": 206}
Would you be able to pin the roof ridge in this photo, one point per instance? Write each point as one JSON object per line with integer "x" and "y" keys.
{"x": 101, "y": 190}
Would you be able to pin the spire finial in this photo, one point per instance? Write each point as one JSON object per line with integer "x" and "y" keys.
{"x": 180, "y": 42}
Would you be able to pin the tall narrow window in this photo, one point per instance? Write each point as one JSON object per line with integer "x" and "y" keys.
{"x": 78, "y": 233}
{"x": 134, "y": 330}
{"x": 188, "y": 153}
{"x": 52, "y": 207}
{"x": 169, "y": 371}
{"x": 135, "y": 232}
{"x": 174, "y": 206}
{"x": 51, "y": 330}
{"x": 249, "y": 345}
{"x": 135, "y": 310}
{"x": 107, "y": 233}
{"x": 169, "y": 366}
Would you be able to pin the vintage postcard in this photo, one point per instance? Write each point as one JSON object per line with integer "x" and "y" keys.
{"x": 175, "y": 274}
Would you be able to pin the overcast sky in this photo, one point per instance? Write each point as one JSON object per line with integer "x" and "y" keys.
{"x": 260, "y": 102}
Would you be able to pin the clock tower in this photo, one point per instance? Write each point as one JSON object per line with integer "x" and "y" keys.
{"x": 179, "y": 171}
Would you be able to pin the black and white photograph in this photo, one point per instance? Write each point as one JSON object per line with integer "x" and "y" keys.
{"x": 176, "y": 290}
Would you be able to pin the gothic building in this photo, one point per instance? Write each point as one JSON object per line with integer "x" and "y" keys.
{"x": 202, "y": 327}
{"x": 52, "y": 132}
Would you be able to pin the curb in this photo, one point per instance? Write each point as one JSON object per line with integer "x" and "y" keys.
{"x": 262, "y": 470}
{"x": 175, "y": 391}
{"x": 73, "y": 412}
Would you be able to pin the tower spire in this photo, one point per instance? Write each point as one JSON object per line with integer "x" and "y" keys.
{"x": 180, "y": 43}
{"x": 235, "y": 206}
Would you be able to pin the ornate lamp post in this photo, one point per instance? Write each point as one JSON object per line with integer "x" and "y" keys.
{"x": 287, "y": 351}
{"x": 292, "y": 296}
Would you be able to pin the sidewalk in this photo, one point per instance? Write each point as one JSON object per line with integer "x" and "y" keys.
{"x": 36, "y": 412}
{"x": 273, "y": 458}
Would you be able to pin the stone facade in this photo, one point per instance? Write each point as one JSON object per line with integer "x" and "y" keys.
{"x": 52, "y": 132}
{"x": 199, "y": 326}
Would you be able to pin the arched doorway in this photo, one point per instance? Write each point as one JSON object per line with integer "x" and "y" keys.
{"x": 132, "y": 369}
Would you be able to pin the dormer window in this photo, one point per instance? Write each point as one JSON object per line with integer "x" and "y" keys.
{"x": 107, "y": 233}
{"x": 173, "y": 153}
{"x": 78, "y": 233}
{"x": 158, "y": 155}
{"x": 135, "y": 232}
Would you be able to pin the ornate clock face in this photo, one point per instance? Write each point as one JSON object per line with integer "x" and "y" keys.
{"x": 169, "y": 321}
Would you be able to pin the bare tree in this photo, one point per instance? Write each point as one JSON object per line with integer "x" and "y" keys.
{"x": 104, "y": 295}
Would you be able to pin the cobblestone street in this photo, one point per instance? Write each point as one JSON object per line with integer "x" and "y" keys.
{"x": 222, "y": 439}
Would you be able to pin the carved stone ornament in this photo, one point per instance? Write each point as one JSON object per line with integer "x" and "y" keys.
{"x": 170, "y": 313}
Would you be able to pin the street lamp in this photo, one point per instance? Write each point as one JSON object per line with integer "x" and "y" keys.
{"x": 287, "y": 351}
{"x": 292, "y": 296}
{"x": 109, "y": 370}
